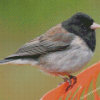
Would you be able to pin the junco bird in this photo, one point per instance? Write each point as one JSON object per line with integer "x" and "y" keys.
{"x": 62, "y": 50}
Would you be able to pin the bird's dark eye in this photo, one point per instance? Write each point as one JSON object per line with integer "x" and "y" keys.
{"x": 82, "y": 24}
{"x": 86, "y": 22}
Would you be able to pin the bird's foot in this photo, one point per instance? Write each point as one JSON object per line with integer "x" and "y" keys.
{"x": 69, "y": 81}
{"x": 72, "y": 80}
{"x": 65, "y": 80}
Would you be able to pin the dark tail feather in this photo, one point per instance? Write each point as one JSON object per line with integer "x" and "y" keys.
{"x": 5, "y": 61}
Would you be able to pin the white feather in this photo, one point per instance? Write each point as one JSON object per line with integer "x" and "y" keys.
{"x": 21, "y": 61}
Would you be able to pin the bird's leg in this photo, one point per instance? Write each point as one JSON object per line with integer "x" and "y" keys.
{"x": 74, "y": 78}
{"x": 65, "y": 79}
{"x": 69, "y": 81}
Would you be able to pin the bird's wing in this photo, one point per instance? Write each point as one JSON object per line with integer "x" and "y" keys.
{"x": 49, "y": 42}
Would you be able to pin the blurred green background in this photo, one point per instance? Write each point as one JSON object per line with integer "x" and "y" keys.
{"x": 23, "y": 20}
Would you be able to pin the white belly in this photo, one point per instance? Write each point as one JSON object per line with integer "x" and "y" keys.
{"x": 68, "y": 61}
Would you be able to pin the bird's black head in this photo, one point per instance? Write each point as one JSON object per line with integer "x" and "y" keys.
{"x": 80, "y": 24}
{"x": 81, "y": 19}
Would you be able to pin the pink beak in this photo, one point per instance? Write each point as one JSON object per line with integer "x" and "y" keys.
{"x": 95, "y": 26}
